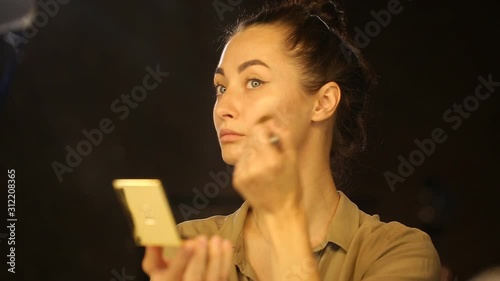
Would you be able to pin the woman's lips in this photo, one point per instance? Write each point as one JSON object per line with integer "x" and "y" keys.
{"x": 230, "y": 137}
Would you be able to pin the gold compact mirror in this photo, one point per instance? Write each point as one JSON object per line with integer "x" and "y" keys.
{"x": 146, "y": 204}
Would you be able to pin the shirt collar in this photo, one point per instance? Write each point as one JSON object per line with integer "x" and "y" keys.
{"x": 232, "y": 229}
{"x": 344, "y": 223}
{"x": 343, "y": 226}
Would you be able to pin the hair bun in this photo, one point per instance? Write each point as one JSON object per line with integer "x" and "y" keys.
{"x": 331, "y": 12}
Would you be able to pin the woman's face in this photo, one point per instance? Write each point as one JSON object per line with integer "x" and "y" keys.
{"x": 255, "y": 79}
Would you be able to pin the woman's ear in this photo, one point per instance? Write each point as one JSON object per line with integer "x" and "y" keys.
{"x": 326, "y": 102}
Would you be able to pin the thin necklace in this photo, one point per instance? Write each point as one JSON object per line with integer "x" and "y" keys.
{"x": 328, "y": 224}
{"x": 260, "y": 231}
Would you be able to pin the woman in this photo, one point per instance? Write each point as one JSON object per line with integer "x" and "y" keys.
{"x": 291, "y": 88}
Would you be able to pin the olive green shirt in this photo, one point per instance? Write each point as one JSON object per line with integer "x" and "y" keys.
{"x": 357, "y": 247}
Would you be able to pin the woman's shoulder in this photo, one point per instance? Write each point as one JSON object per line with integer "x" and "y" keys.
{"x": 392, "y": 248}
{"x": 373, "y": 228}
{"x": 228, "y": 226}
{"x": 362, "y": 229}
{"x": 379, "y": 250}
{"x": 208, "y": 226}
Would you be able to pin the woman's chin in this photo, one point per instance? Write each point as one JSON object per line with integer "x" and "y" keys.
{"x": 230, "y": 156}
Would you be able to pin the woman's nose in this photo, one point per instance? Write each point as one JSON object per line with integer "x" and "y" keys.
{"x": 226, "y": 106}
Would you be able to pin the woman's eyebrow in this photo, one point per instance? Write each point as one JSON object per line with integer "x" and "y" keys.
{"x": 242, "y": 66}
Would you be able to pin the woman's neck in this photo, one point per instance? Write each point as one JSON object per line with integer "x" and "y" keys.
{"x": 320, "y": 199}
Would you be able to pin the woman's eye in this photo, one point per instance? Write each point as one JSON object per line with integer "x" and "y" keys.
{"x": 254, "y": 83}
{"x": 219, "y": 89}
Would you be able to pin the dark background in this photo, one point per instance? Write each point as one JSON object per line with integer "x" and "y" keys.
{"x": 428, "y": 58}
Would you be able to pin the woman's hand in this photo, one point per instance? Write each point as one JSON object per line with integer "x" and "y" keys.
{"x": 198, "y": 259}
{"x": 267, "y": 174}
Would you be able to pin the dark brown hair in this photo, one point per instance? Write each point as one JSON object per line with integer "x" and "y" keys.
{"x": 317, "y": 38}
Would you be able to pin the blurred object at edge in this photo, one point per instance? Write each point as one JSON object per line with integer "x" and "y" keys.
{"x": 15, "y": 15}
{"x": 490, "y": 274}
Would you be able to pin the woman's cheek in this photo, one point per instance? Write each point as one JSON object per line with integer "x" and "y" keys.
{"x": 256, "y": 109}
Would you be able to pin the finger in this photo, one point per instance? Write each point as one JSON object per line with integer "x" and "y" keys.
{"x": 257, "y": 146}
{"x": 259, "y": 136}
{"x": 226, "y": 260}
{"x": 274, "y": 119}
{"x": 265, "y": 134}
{"x": 180, "y": 261}
{"x": 286, "y": 144}
{"x": 214, "y": 259}
{"x": 153, "y": 260}
{"x": 195, "y": 270}
{"x": 271, "y": 125}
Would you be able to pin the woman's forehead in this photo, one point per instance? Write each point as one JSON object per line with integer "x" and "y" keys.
{"x": 263, "y": 42}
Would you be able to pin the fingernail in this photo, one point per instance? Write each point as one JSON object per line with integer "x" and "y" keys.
{"x": 216, "y": 241}
{"x": 187, "y": 248}
{"x": 203, "y": 241}
{"x": 226, "y": 243}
